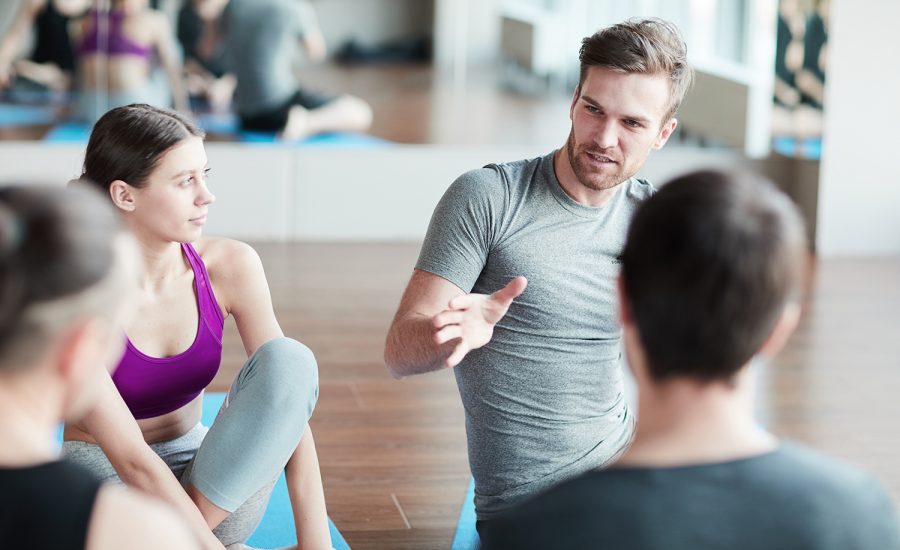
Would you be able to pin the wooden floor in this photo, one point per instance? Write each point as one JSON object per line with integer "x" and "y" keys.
{"x": 393, "y": 452}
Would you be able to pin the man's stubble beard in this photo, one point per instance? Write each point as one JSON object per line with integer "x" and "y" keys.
{"x": 583, "y": 174}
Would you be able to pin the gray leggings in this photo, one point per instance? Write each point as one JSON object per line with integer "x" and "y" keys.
{"x": 236, "y": 462}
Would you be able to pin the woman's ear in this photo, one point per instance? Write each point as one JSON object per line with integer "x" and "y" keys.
{"x": 122, "y": 195}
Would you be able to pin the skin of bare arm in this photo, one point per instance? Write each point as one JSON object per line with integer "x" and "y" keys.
{"x": 437, "y": 324}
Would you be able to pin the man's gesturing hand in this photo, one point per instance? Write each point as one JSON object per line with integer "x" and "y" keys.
{"x": 470, "y": 319}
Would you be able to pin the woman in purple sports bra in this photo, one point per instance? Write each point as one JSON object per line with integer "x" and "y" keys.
{"x": 146, "y": 430}
{"x": 117, "y": 54}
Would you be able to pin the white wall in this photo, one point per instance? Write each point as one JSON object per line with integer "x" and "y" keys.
{"x": 467, "y": 32}
{"x": 859, "y": 187}
{"x": 277, "y": 192}
{"x": 371, "y": 22}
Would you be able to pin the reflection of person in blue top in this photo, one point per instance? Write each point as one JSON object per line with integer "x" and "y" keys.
{"x": 116, "y": 59}
{"x": 263, "y": 36}
{"x": 52, "y": 61}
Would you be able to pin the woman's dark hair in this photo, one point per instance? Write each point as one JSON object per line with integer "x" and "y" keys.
{"x": 55, "y": 244}
{"x": 128, "y": 142}
{"x": 710, "y": 263}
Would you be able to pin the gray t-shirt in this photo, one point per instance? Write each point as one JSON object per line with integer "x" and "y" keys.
{"x": 789, "y": 499}
{"x": 544, "y": 398}
{"x": 261, "y": 50}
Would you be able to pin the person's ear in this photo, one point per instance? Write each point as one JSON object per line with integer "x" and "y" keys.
{"x": 81, "y": 349}
{"x": 782, "y": 330}
{"x": 665, "y": 132}
{"x": 122, "y": 195}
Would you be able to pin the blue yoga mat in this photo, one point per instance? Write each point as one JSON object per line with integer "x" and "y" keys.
{"x": 466, "y": 537}
{"x": 69, "y": 132}
{"x": 75, "y": 132}
{"x": 808, "y": 148}
{"x": 26, "y": 115}
{"x": 334, "y": 139}
{"x": 277, "y": 526}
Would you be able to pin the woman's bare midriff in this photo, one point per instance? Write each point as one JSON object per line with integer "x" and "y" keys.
{"x": 122, "y": 72}
{"x": 159, "y": 428}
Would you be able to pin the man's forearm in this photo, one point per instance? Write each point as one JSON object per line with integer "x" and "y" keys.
{"x": 410, "y": 347}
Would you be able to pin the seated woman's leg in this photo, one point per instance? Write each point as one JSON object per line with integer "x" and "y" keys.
{"x": 256, "y": 432}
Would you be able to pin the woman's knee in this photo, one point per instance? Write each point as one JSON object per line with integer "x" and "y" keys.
{"x": 291, "y": 369}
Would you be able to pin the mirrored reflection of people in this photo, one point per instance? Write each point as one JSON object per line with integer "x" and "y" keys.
{"x": 712, "y": 277}
{"x": 262, "y": 47}
{"x": 51, "y": 64}
{"x": 117, "y": 52}
{"x": 66, "y": 271}
{"x": 200, "y": 35}
{"x": 800, "y": 64}
{"x": 811, "y": 77}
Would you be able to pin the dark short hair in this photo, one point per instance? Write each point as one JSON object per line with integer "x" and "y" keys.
{"x": 128, "y": 142}
{"x": 709, "y": 265}
{"x": 645, "y": 46}
{"x": 55, "y": 243}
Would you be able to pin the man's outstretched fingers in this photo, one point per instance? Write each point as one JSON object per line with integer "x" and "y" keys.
{"x": 447, "y": 333}
{"x": 462, "y": 301}
{"x": 457, "y": 355}
{"x": 447, "y": 317}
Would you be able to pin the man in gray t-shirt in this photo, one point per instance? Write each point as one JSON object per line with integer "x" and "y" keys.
{"x": 515, "y": 283}
{"x": 711, "y": 276}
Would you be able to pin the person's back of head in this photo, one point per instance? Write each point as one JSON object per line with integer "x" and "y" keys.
{"x": 710, "y": 265}
{"x": 66, "y": 269}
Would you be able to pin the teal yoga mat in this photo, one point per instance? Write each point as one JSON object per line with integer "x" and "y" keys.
{"x": 466, "y": 537}
{"x": 277, "y": 526}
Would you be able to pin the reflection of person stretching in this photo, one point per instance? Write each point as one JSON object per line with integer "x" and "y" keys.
{"x": 67, "y": 274}
{"x": 261, "y": 47}
{"x": 116, "y": 56}
{"x": 52, "y": 61}
{"x": 145, "y": 430}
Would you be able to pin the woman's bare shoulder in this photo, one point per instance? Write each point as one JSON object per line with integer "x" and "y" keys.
{"x": 226, "y": 257}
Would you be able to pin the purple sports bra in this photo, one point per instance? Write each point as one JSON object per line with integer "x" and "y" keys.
{"x": 153, "y": 386}
{"x": 116, "y": 42}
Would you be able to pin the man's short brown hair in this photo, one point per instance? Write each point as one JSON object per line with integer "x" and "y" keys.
{"x": 645, "y": 46}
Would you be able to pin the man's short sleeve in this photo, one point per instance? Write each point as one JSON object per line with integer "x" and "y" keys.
{"x": 464, "y": 226}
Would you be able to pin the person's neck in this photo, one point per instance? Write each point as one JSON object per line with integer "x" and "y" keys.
{"x": 29, "y": 418}
{"x": 572, "y": 187}
{"x": 163, "y": 260}
{"x": 686, "y": 422}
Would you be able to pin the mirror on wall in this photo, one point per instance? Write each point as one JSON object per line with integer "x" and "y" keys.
{"x": 431, "y": 71}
